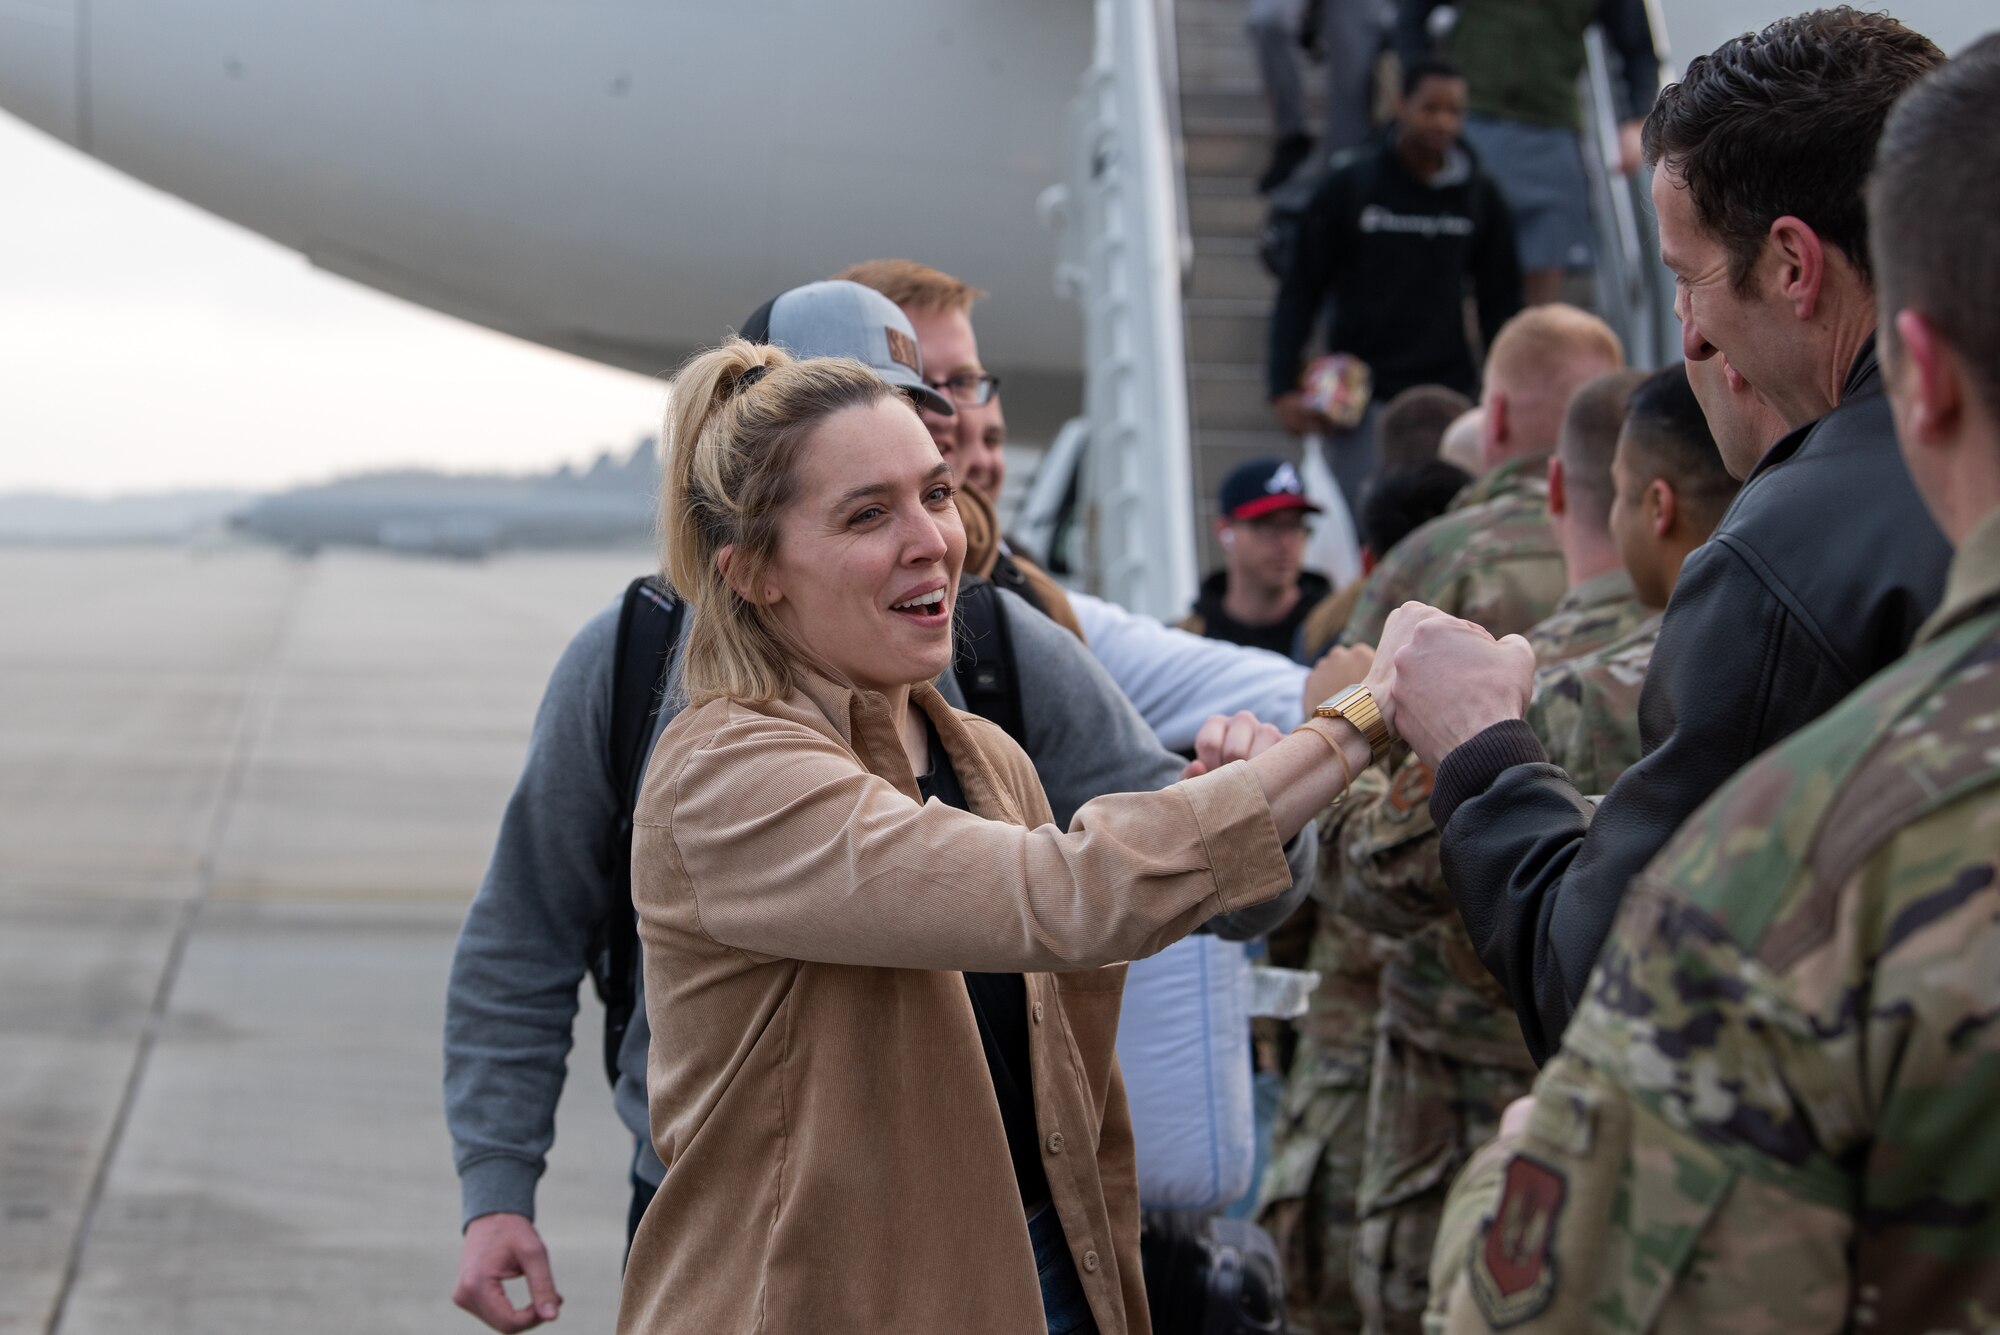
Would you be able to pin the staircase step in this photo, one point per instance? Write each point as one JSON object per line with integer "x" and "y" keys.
{"x": 1205, "y": 61}
{"x": 1244, "y": 153}
{"x": 1241, "y": 104}
{"x": 1228, "y": 275}
{"x": 1218, "y": 244}
{"x": 1235, "y": 339}
{"x": 1253, "y": 123}
{"x": 1226, "y": 306}
{"x": 1226, "y": 215}
{"x": 1228, "y": 397}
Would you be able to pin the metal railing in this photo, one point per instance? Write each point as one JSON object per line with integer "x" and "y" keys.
{"x": 1124, "y": 247}
{"x": 1635, "y": 293}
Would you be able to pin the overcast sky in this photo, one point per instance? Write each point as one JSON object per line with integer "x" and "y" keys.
{"x": 146, "y": 345}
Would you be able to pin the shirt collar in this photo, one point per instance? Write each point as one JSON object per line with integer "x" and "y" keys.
{"x": 1613, "y": 586}
{"x": 1515, "y": 477}
{"x": 864, "y": 721}
{"x": 1973, "y": 584}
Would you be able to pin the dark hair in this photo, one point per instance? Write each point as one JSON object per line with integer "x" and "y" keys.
{"x": 1429, "y": 67}
{"x": 1934, "y": 206}
{"x": 1784, "y": 121}
{"x": 1402, "y": 500}
{"x": 1413, "y": 424}
{"x": 1667, "y": 436}
{"x": 1589, "y": 439}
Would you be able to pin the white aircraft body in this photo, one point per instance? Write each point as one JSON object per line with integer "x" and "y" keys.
{"x": 622, "y": 180}
{"x": 627, "y": 180}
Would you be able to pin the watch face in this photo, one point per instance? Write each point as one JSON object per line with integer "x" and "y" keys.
{"x": 1342, "y": 697}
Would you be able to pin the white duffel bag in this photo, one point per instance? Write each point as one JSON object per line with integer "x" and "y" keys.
{"x": 1184, "y": 1046}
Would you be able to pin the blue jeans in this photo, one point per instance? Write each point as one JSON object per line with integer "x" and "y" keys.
{"x": 1064, "y": 1306}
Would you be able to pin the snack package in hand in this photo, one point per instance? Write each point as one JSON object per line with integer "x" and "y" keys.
{"x": 1338, "y": 388}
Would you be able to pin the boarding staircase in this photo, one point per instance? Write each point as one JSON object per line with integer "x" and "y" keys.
{"x": 1226, "y": 138}
{"x": 1158, "y": 217}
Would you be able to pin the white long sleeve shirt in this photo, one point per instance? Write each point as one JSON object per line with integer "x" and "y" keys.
{"x": 1177, "y": 680}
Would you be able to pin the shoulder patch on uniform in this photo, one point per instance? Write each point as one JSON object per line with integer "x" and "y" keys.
{"x": 1411, "y": 787}
{"x": 1513, "y": 1269}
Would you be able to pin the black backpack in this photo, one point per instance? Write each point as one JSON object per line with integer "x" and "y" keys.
{"x": 1210, "y": 1276}
{"x": 649, "y": 625}
{"x": 1285, "y": 222}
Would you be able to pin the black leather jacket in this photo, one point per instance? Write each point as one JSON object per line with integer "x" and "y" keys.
{"x": 1818, "y": 576}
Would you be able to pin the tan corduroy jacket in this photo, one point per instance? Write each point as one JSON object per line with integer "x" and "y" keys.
{"x": 835, "y": 1156}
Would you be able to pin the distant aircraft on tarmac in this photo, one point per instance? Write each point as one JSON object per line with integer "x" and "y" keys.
{"x": 609, "y": 504}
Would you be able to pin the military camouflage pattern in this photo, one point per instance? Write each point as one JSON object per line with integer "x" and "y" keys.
{"x": 1434, "y": 992}
{"x": 1427, "y": 1113}
{"x": 1451, "y": 1056}
{"x": 1776, "y": 1108}
{"x": 1490, "y": 558}
{"x": 1586, "y": 711}
{"x": 1591, "y": 615}
{"x": 1474, "y": 1193}
{"x": 1308, "y": 1193}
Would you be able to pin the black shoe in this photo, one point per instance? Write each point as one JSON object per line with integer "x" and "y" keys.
{"x": 1286, "y": 156}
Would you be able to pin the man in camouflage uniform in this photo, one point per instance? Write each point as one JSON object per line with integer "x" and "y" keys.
{"x": 1499, "y": 556}
{"x": 1491, "y": 556}
{"x": 1449, "y": 1054}
{"x": 1601, "y": 603}
{"x": 1668, "y": 491}
{"x": 1774, "y": 1109}
{"x": 1306, "y": 1198}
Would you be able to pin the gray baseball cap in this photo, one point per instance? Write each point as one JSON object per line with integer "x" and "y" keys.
{"x": 837, "y": 318}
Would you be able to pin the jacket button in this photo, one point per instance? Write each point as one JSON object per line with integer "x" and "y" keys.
{"x": 1090, "y": 1262}
{"x": 1038, "y": 1012}
{"x": 1055, "y": 1142}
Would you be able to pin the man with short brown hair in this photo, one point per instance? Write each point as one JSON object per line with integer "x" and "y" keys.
{"x": 1491, "y": 557}
{"x": 1820, "y": 574}
{"x": 1774, "y": 1109}
{"x": 940, "y": 310}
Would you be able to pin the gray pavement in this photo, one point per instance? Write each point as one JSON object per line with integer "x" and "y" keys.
{"x": 243, "y": 802}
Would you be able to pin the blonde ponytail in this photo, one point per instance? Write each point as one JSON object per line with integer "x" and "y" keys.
{"x": 737, "y": 420}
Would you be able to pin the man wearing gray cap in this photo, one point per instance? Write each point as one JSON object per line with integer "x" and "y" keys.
{"x": 556, "y": 891}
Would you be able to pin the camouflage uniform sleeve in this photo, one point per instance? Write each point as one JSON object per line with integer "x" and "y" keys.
{"x": 1395, "y": 581}
{"x": 1586, "y": 710}
{"x": 1738, "y": 1139}
{"x": 1389, "y": 880}
{"x": 1556, "y": 715}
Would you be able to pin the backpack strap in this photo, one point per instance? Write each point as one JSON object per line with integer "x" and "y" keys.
{"x": 649, "y": 623}
{"x": 984, "y": 663}
{"x": 1007, "y": 574}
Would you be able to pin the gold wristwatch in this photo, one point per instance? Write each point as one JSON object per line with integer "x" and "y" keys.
{"x": 1356, "y": 704}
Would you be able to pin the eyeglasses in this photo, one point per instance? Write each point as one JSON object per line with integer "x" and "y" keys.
{"x": 968, "y": 390}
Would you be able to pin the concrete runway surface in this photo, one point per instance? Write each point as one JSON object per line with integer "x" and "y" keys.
{"x": 244, "y": 800}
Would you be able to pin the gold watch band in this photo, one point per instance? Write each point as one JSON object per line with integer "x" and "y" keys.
{"x": 1357, "y": 705}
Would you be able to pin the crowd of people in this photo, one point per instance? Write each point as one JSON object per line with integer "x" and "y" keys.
{"x": 1635, "y": 806}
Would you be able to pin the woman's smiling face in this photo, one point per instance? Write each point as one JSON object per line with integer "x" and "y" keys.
{"x": 869, "y": 552}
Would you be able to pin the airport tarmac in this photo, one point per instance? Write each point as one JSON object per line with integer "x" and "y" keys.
{"x": 244, "y": 800}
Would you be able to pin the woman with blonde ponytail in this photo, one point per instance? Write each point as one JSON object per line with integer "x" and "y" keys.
{"x": 883, "y": 986}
